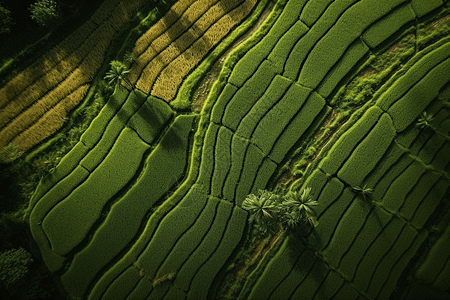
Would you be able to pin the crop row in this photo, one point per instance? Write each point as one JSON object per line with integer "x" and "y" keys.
{"x": 68, "y": 223}
{"x": 67, "y": 175}
{"x": 163, "y": 33}
{"x": 164, "y": 167}
{"x": 172, "y": 56}
{"x": 179, "y": 68}
{"x": 433, "y": 270}
{"x": 254, "y": 58}
{"x": 39, "y": 122}
{"x": 163, "y": 25}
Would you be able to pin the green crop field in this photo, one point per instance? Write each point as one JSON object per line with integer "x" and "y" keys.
{"x": 341, "y": 108}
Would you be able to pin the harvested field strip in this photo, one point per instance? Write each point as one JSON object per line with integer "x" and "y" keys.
{"x": 179, "y": 68}
{"x": 174, "y": 62}
{"x": 50, "y": 80}
{"x": 155, "y": 181}
{"x": 160, "y": 36}
{"x": 38, "y": 122}
{"x": 175, "y": 12}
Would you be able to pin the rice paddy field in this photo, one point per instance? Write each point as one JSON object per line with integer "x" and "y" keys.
{"x": 223, "y": 98}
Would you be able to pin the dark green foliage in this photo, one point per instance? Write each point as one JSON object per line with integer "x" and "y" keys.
{"x": 113, "y": 129}
{"x": 231, "y": 236}
{"x": 5, "y": 20}
{"x": 219, "y": 107}
{"x": 95, "y": 131}
{"x": 44, "y": 12}
{"x": 14, "y": 264}
{"x": 280, "y": 52}
{"x": 311, "y": 113}
{"x": 9, "y": 153}
{"x": 402, "y": 86}
{"x": 222, "y": 161}
{"x": 264, "y": 210}
{"x": 117, "y": 73}
{"x": 313, "y": 10}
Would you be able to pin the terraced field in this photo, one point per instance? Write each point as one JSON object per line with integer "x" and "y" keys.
{"x": 33, "y": 104}
{"x": 147, "y": 205}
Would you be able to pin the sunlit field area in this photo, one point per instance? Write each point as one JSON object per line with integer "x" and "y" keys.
{"x": 225, "y": 149}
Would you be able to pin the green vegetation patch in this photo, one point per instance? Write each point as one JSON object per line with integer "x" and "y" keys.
{"x": 347, "y": 230}
{"x": 432, "y": 266}
{"x": 276, "y": 119}
{"x": 345, "y": 31}
{"x": 345, "y": 145}
{"x": 368, "y": 153}
{"x": 238, "y": 149}
{"x": 277, "y": 269}
{"x": 367, "y": 267}
{"x": 208, "y": 245}
{"x": 68, "y": 223}
{"x": 95, "y": 131}
{"x": 149, "y": 120}
{"x": 66, "y": 166}
{"x": 170, "y": 229}
{"x": 222, "y": 161}
{"x": 313, "y": 10}
{"x": 422, "y": 8}
{"x": 408, "y": 108}
{"x": 341, "y": 69}
{"x": 253, "y": 161}
{"x": 371, "y": 233}
{"x": 248, "y": 95}
{"x": 388, "y": 25}
{"x": 429, "y": 204}
{"x": 304, "y": 46}
{"x": 390, "y": 269}
{"x": 112, "y": 131}
{"x": 219, "y": 107}
{"x": 401, "y": 186}
{"x": 415, "y": 72}
{"x": 310, "y": 116}
{"x": 207, "y": 158}
{"x": 204, "y": 277}
{"x": 272, "y": 95}
{"x": 256, "y": 55}
{"x": 284, "y": 46}
{"x": 123, "y": 284}
{"x": 164, "y": 167}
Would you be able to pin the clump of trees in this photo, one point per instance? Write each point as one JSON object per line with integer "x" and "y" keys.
{"x": 6, "y": 20}
{"x": 44, "y": 12}
{"x": 270, "y": 212}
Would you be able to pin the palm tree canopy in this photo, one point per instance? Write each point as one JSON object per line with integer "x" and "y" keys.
{"x": 117, "y": 72}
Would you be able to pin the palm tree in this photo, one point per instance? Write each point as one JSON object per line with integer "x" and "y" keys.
{"x": 425, "y": 120}
{"x": 365, "y": 191}
{"x": 117, "y": 73}
{"x": 298, "y": 207}
{"x": 263, "y": 210}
